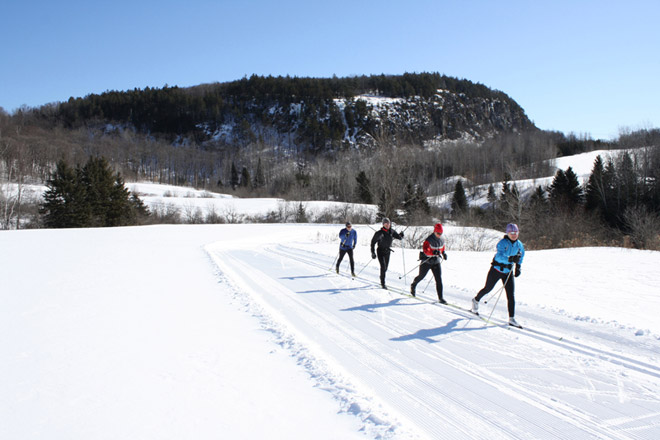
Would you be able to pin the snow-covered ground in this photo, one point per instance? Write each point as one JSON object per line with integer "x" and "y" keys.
{"x": 242, "y": 332}
{"x": 234, "y": 209}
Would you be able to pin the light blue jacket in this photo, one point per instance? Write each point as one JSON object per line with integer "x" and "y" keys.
{"x": 348, "y": 239}
{"x": 505, "y": 249}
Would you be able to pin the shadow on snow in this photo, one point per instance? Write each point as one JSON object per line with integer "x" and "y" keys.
{"x": 428, "y": 334}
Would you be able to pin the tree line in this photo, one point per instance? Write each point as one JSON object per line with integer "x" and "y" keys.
{"x": 619, "y": 204}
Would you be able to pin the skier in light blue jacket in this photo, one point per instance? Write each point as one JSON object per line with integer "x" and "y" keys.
{"x": 348, "y": 237}
{"x": 510, "y": 253}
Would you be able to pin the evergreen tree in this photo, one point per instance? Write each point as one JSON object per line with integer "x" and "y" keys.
{"x": 259, "y": 178}
{"x": 364, "y": 193}
{"x": 505, "y": 187}
{"x": 65, "y": 203}
{"x": 89, "y": 197}
{"x": 234, "y": 181}
{"x": 538, "y": 197}
{"x": 565, "y": 190}
{"x": 574, "y": 189}
{"x": 245, "y": 177}
{"x": 492, "y": 197}
{"x": 505, "y": 194}
{"x": 611, "y": 196}
{"x": 301, "y": 214}
{"x": 628, "y": 183}
{"x": 105, "y": 194}
{"x": 415, "y": 204}
{"x": 595, "y": 191}
{"x": 139, "y": 211}
{"x": 459, "y": 202}
{"x": 508, "y": 200}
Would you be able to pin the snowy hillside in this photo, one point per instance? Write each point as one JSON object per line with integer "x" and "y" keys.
{"x": 243, "y": 332}
{"x": 582, "y": 164}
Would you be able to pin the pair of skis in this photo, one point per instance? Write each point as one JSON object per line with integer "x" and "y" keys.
{"x": 486, "y": 320}
{"x": 448, "y": 304}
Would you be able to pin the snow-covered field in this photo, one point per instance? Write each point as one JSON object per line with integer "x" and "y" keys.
{"x": 242, "y": 332}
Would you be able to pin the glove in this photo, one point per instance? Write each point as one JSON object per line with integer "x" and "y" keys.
{"x": 436, "y": 252}
{"x": 514, "y": 258}
{"x": 517, "y": 273}
{"x": 444, "y": 255}
{"x": 373, "y": 255}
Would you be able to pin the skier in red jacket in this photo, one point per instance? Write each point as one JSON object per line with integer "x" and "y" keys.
{"x": 432, "y": 250}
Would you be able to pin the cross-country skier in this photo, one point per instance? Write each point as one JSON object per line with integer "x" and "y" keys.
{"x": 432, "y": 250}
{"x": 348, "y": 237}
{"x": 510, "y": 252}
{"x": 383, "y": 237}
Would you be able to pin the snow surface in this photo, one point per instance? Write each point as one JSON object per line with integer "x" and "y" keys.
{"x": 235, "y": 209}
{"x": 243, "y": 331}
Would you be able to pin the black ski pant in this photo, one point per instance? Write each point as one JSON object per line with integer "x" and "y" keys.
{"x": 493, "y": 277}
{"x": 437, "y": 274}
{"x": 384, "y": 261}
{"x": 343, "y": 252}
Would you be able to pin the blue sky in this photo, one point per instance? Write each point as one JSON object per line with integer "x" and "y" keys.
{"x": 587, "y": 67}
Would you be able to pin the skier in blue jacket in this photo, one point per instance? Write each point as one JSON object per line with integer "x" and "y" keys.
{"x": 510, "y": 253}
{"x": 348, "y": 237}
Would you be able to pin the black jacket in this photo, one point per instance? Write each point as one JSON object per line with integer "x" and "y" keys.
{"x": 383, "y": 237}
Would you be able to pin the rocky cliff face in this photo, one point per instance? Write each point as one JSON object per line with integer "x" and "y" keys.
{"x": 365, "y": 120}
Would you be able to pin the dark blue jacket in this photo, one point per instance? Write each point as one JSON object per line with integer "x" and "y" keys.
{"x": 348, "y": 239}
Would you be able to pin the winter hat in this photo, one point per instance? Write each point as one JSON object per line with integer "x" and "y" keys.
{"x": 438, "y": 228}
{"x": 512, "y": 227}
{"x": 348, "y": 224}
{"x": 386, "y": 220}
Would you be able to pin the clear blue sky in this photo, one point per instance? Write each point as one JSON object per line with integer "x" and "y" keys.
{"x": 587, "y": 67}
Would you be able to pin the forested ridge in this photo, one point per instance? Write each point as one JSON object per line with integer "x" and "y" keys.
{"x": 299, "y": 112}
{"x": 176, "y": 111}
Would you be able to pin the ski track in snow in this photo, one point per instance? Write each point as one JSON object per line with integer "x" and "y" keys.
{"x": 412, "y": 369}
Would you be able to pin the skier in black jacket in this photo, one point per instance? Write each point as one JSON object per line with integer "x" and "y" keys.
{"x": 383, "y": 237}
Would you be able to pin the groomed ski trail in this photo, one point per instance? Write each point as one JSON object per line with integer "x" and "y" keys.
{"x": 440, "y": 369}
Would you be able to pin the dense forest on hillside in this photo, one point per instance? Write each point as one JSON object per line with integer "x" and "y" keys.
{"x": 302, "y": 107}
{"x": 176, "y": 111}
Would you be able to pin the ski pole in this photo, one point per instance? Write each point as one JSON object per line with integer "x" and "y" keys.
{"x": 490, "y": 295}
{"x": 337, "y": 256}
{"x": 415, "y": 268}
{"x": 403, "y": 256}
{"x": 333, "y": 263}
{"x": 499, "y": 294}
{"x": 365, "y": 266}
{"x": 432, "y": 276}
{"x": 427, "y": 284}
